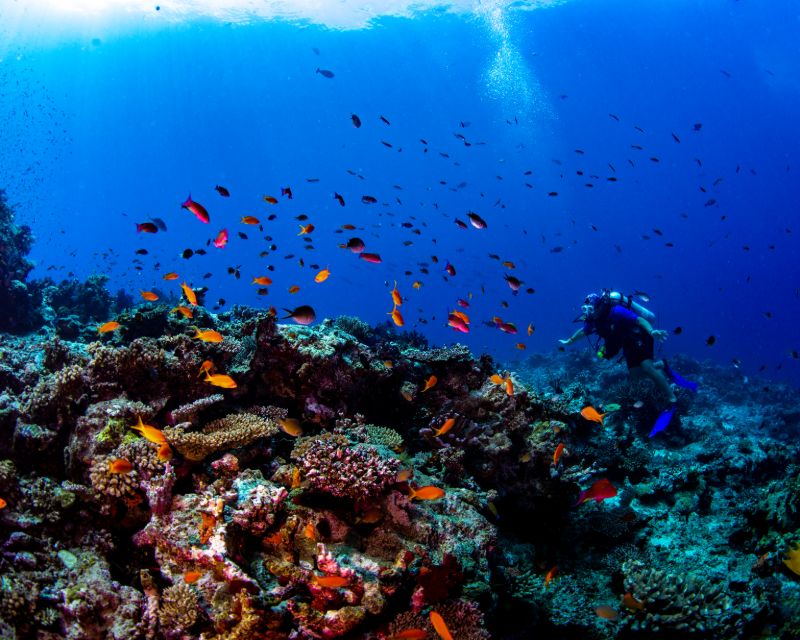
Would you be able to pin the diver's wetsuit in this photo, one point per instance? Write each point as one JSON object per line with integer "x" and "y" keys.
{"x": 619, "y": 329}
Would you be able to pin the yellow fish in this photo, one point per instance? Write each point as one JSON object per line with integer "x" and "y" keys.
{"x": 149, "y": 433}
{"x": 207, "y": 335}
{"x": 191, "y": 296}
{"x": 220, "y": 380}
{"x": 322, "y": 276}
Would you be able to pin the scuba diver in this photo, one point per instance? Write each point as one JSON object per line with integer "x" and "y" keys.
{"x": 622, "y": 324}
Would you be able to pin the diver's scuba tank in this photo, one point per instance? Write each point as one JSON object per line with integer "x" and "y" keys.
{"x": 629, "y": 303}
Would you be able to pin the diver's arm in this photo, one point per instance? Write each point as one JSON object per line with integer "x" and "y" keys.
{"x": 657, "y": 334}
{"x": 574, "y": 337}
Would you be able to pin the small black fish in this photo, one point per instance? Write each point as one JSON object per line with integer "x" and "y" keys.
{"x": 676, "y": 138}
{"x": 356, "y": 120}
{"x": 710, "y": 341}
{"x": 242, "y": 235}
{"x": 223, "y": 191}
{"x": 386, "y": 144}
{"x": 697, "y": 126}
{"x": 141, "y": 252}
{"x": 187, "y": 253}
{"x": 677, "y": 331}
{"x": 385, "y": 121}
{"x": 301, "y": 217}
{"x": 613, "y": 117}
{"x": 558, "y": 249}
{"x": 325, "y": 73}
{"x": 368, "y": 199}
{"x": 338, "y": 198}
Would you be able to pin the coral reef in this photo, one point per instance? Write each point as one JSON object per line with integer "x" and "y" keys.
{"x": 326, "y": 495}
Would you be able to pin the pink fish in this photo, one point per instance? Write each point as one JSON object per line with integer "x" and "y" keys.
{"x": 222, "y": 239}
{"x": 457, "y": 323}
{"x": 374, "y": 258}
{"x": 197, "y": 209}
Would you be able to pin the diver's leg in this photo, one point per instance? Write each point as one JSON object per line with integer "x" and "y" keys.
{"x": 649, "y": 369}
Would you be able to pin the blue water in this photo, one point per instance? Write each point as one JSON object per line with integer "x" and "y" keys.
{"x": 104, "y": 127}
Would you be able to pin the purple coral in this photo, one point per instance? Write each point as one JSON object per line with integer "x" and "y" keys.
{"x": 346, "y": 471}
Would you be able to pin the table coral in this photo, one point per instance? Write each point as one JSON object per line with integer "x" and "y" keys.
{"x": 234, "y": 430}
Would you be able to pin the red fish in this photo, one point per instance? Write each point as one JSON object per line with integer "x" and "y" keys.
{"x": 598, "y": 492}
{"x": 197, "y": 209}
{"x": 374, "y": 258}
{"x": 461, "y": 224}
{"x": 223, "y": 191}
{"x": 146, "y": 227}
{"x": 222, "y": 239}
{"x": 451, "y": 270}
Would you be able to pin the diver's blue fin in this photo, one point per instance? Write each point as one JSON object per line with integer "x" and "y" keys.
{"x": 678, "y": 379}
{"x": 663, "y": 421}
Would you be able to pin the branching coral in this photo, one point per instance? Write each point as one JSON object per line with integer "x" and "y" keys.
{"x": 178, "y": 609}
{"x": 678, "y": 603}
{"x": 108, "y": 483}
{"x": 234, "y": 430}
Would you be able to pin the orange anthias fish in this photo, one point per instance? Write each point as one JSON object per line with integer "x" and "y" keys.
{"x": 632, "y": 603}
{"x": 108, "y": 326}
{"x": 396, "y": 297}
{"x": 607, "y": 613}
{"x": 331, "y": 582}
{"x": 590, "y": 413}
{"x": 598, "y": 492}
{"x": 290, "y": 426}
{"x": 191, "y": 296}
{"x": 263, "y": 281}
{"x": 164, "y": 453}
{"x": 322, "y": 276}
{"x": 207, "y": 335}
{"x": 439, "y": 625}
{"x": 404, "y": 475}
{"x": 170, "y": 276}
{"x": 270, "y": 199}
{"x": 149, "y": 433}
{"x": 448, "y": 424}
{"x": 496, "y": 378}
{"x": 120, "y": 465}
{"x": 207, "y": 365}
{"x": 558, "y": 453}
{"x": 3, "y": 504}
{"x": 306, "y": 229}
{"x": 220, "y": 380}
{"x": 186, "y": 312}
{"x": 294, "y": 289}
{"x": 548, "y": 578}
{"x": 425, "y": 493}
{"x": 430, "y": 382}
{"x": 250, "y": 220}
{"x": 397, "y": 318}
{"x": 509, "y": 386}
{"x": 149, "y": 296}
{"x": 190, "y": 577}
